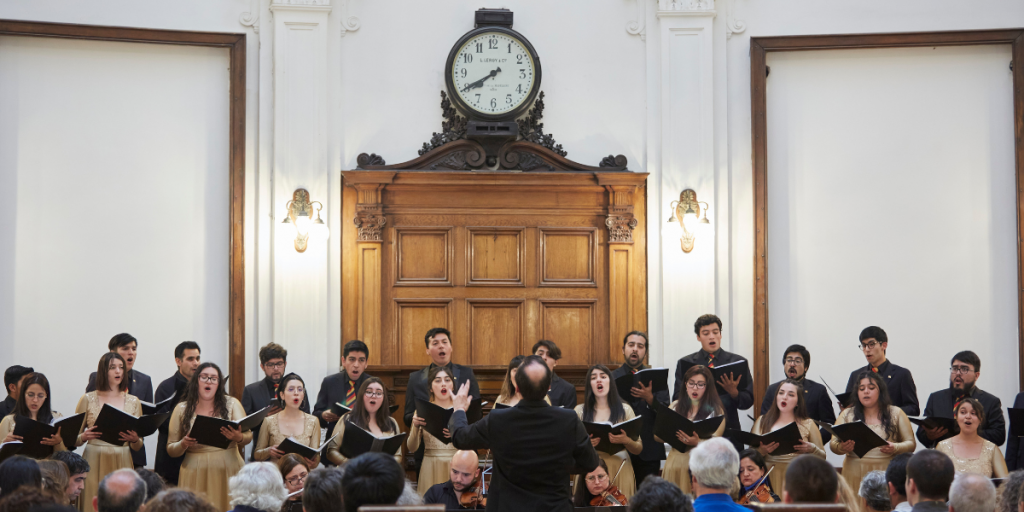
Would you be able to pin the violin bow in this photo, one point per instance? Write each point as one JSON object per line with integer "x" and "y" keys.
{"x": 763, "y": 478}
{"x": 620, "y": 470}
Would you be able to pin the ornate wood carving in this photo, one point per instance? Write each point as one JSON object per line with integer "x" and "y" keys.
{"x": 370, "y": 220}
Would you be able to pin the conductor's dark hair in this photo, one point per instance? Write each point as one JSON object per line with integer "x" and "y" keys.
{"x": 658, "y": 495}
{"x": 179, "y": 351}
{"x": 75, "y": 462}
{"x": 372, "y": 479}
{"x": 14, "y": 374}
{"x": 967, "y": 357}
{"x": 323, "y": 490}
{"x": 121, "y": 340}
{"x": 799, "y": 349}
{"x": 811, "y": 480}
{"x": 529, "y": 388}
{"x": 272, "y": 351}
{"x": 102, "y": 382}
{"x": 434, "y": 332}
{"x": 636, "y": 333}
{"x": 705, "y": 320}
{"x": 355, "y": 346}
{"x": 896, "y": 473}
{"x": 933, "y": 472}
{"x": 18, "y": 471}
{"x": 874, "y": 332}
{"x": 618, "y": 412}
{"x": 553, "y": 351}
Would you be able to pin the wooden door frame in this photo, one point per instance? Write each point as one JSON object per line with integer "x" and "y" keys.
{"x": 759, "y": 47}
{"x": 235, "y": 43}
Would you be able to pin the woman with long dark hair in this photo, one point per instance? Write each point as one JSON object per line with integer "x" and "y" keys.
{"x": 752, "y": 470}
{"x": 437, "y": 456}
{"x": 370, "y": 413}
{"x": 700, "y": 402}
{"x": 872, "y": 405}
{"x": 291, "y": 422}
{"x": 105, "y": 458}
{"x": 970, "y": 452}
{"x": 207, "y": 469}
{"x": 34, "y": 403}
{"x": 594, "y": 483}
{"x": 601, "y": 404}
{"x": 788, "y": 407}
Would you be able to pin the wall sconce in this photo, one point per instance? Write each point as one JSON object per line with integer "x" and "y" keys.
{"x": 299, "y": 220}
{"x": 686, "y": 211}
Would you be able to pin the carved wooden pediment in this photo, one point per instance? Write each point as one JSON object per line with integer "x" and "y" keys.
{"x": 466, "y": 155}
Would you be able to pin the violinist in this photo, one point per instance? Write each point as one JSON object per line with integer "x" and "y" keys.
{"x": 463, "y": 485}
{"x": 754, "y": 487}
{"x": 598, "y": 491}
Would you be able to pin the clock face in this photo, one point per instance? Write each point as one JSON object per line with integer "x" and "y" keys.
{"x": 494, "y": 73}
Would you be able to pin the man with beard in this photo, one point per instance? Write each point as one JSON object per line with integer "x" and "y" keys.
{"x": 965, "y": 369}
{"x": 465, "y": 470}
{"x": 898, "y": 380}
{"x": 796, "y": 362}
{"x": 648, "y": 461}
{"x": 256, "y": 396}
{"x": 139, "y": 384}
{"x": 187, "y": 357}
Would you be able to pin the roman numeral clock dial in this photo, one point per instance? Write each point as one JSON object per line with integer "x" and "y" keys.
{"x": 493, "y": 73}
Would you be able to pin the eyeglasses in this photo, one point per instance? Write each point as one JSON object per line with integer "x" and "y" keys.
{"x": 596, "y": 478}
{"x": 697, "y": 385}
{"x": 294, "y": 390}
{"x": 374, "y": 394}
{"x": 41, "y": 396}
{"x": 296, "y": 480}
{"x": 794, "y": 360}
{"x": 209, "y": 378}
{"x": 275, "y": 365}
{"x": 961, "y": 370}
{"x": 866, "y": 346}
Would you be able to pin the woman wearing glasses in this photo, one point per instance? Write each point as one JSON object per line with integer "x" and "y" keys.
{"x": 291, "y": 422}
{"x": 369, "y": 413}
{"x": 294, "y": 472}
{"x": 207, "y": 469}
{"x": 700, "y": 402}
{"x": 597, "y": 485}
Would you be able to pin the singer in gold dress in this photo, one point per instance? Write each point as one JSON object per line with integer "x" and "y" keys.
{"x": 700, "y": 402}
{"x": 105, "y": 458}
{"x": 370, "y": 413}
{"x": 437, "y": 456}
{"x": 601, "y": 404}
{"x": 291, "y": 422}
{"x": 34, "y": 402}
{"x": 206, "y": 469}
{"x": 970, "y": 452}
{"x": 872, "y": 405}
{"x": 788, "y": 407}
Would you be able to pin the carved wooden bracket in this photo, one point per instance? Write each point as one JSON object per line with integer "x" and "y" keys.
{"x": 620, "y": 219}
{"x": 370, "y": 217}
{"x": 466, "y": 155}
{"x": 370, "y": 220}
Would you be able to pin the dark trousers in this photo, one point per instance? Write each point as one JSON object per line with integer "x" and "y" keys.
{"x": 643, "y": 468}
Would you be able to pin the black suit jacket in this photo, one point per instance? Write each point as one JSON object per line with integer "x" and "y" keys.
{"x": 1014, "y": 448}
{"x": 165, "y": 465}
{"x": 899, "y": 382}
{"x": 940, "y": 403}
{"x": 744, "y": 400}
{"x": 562, "y": 393}
{"x": 418, "y": 387}
{"x": 140, "y": 386}
{"x": 535, "y": 447}
{"x": 256, "y": 396}
{"x": 819, "y": 405}
{"x": 7, "y": 406}
{"x": 653, "y": 450}
{"x": 443, "y": 493}
{"x": 333, "y": 389}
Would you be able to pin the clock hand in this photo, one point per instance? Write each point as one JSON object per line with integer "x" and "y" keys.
{"x": 480, "y": 83}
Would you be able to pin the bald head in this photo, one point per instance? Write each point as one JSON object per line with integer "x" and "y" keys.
{"x": 533, "y": 378}
{"x": 465, "y": 469}
{"x": 120, "y": 491}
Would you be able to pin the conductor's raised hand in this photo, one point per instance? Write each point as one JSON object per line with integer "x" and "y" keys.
{"x": 461, "y": 399}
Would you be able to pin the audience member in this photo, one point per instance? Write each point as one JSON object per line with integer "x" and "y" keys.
{"x": 17, "y": 471}
{"x": 24, "y": 499}
{"x": 257, "y": 487}
{"x": 294, "y": 471}
{"x": 371, "y": 479}
{"x": 55, "y": 479}
{"x": 896, "y": 477}
{"x": 179, "y": 500}
{"x": 929, "y": 475}
{"x": 972, "y": 493}
{"x": 154, "y": 482}
{"x": 714, "y": 465}
{"x": 1010, "y": 495}
{"x": 810, "y": 480}
{"x": 658, "y": 495}
{"x": 874, "y": 492}
{"x": 323, "y": 491}
{"x": 120, "y": 491}
{"x": 78, "y": 468}
{"x": 409, "y": 496}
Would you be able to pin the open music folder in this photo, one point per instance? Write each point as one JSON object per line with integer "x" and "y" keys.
{"x": 206, "y": 429}
{"x": 111, "y": 422}
{"x": 602, "y": 430}
{"x": 358, "y": 441}
{"x": 33, "y": 432}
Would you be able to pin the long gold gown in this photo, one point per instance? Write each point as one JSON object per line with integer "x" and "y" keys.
{"x": 989, "y": 464}
{"x": 437, "y": 458}
{"x": 677, "y": 464}
{"x": 206, "y": 469}
{"x": 7, "y": 426}
{"x": 855, "y": 468}
{"x": 334, "y": 449}
{"x": 626, "y": 479}
{"x": 270, "y": 435}
{"x": 103, "y": 458}
{"x": 808, "y": 432}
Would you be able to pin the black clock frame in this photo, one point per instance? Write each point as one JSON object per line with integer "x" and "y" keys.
{"x": 462, "y": 106}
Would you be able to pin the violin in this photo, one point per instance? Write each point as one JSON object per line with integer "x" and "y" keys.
{"x": 473, "y": 498}
{"x": 760, "y": 494}
{"x": 610, "y": 497}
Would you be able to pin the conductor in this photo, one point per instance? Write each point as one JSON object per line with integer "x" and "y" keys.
{"x": 535, "y": 446}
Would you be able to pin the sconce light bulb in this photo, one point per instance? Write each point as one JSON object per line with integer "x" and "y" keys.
{"x": 319, "y": 230}
{"x": 690, "y": 221}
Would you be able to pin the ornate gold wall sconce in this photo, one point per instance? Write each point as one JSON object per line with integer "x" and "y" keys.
{"x": 687, "y": 212}
{"x": 300, "y": 221}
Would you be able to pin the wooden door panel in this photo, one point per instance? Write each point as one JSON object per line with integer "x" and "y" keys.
{"x": 567, "y": 256}
{"x": 424, "y": 256}
{"x": 495, "y": 256}
{"x": 496, "y": 330}
{"x": 571, "y": 324}
{"x": 413, "y": 318}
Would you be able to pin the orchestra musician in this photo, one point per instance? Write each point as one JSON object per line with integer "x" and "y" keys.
{"x": 700, "y": 402}
{"x": 788, "y": 407}
{"x": 292, "y": 423}
{"x": 294, "y": 470}
{"x": 754, "y": 487}
{"x": 369, "y": 413}
{"x": 601, "y": 404}
{"x": 436, "y": 455}
{"x": 34, "y": 402}
{"x": 465, "y": 479}
{"x": 598, "y": 490}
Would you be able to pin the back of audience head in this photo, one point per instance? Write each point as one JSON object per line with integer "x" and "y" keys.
{"x": 154, "y": 482}
{"x": 409, "y": 496}
{"x": 972, "y": 493}
{"x": 373, "y": 479}
{"x": 179, "y": 500}
{"x": 55, "y": 479}
{"x": 658, "y": 495}
{"x": 533, "y": 378}
{"x": 811, "y": 480}
{"x": 874, "y": 490}
{"x": 25, "y": 498}
{"x": 78, "y": 469}
{"x": 17, "y": 471}
{"x": 929, "y": 475}
{"x": 120, "y": 491}
{"x": 1011, "y": 493}
{"x": 323, "y": 491}
{"x": 257, "y": 485}
{"x": 714, "y": 464}
{"x": 896, "y": 477}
